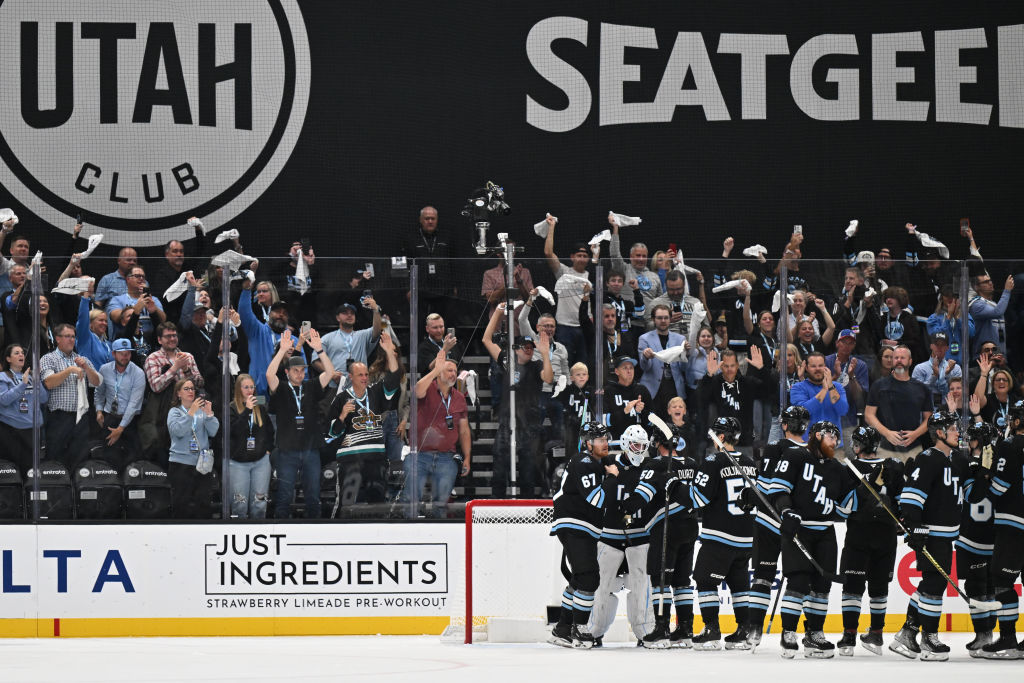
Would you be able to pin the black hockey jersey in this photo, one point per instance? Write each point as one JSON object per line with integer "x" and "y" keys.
{"x": 933, "y": 495}
{"x": 579, "y": 408}
{"x": 1007, "y": 485}
{"x": 766, "y": 483}
{"x": 579, "y": 503}
{"x": 977, "y": 532}
{"x": 715, "y": 491}
{"x": 650, "y": 490}
{"x": 865, "y": 518}
{"x": 809, "y": 484}
{"x": 624, "y": 525}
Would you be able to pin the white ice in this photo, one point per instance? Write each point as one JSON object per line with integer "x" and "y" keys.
{"x": 424, "y": 659}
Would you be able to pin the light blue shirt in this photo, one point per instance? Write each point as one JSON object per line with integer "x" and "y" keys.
{"x": 111, "y": 285}
{"x": 126, "y": 301}
{"x": 180, "y": 425}
{"x": 127, "y": 387}
{"x": 340, "y": 346}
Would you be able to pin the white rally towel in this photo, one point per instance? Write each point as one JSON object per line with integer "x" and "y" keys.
{"x": 469, "y": 380}
{"x": 560, "y": 385}
{"x": 94, "y": 241}
{"x": 775, "y": 300}
{"x": 726, "y": 286}
{"x": 669, "y": 355}
{"x": 851, "y": 229}
{"x": 177, "y": 288}
{"x": 302, "y": 274}
{"x": 623, "y": 220}
{"x": 230, "y": 259}
{"x": 542, "y": 291}
{"x": 73, "y": 285}
{"x": 603, "y": 236}
{"x": 927, "y": 241}
{"x": 82, "y": 406}
{"x": 8, "y": 215}
{"x": 684, "y": 269}
{"x": 196, "y": 223}
{"x": 541, "y": 228}
{"x": 697, "y": 318}
{"x": 231, "y": 234}
{"x": 754, "y": 250}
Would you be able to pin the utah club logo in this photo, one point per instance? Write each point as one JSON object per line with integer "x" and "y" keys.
{"x": 142, "y": 114}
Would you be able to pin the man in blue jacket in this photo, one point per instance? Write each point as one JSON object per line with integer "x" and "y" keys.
{"x": 665, "y": 381}
{"x": 823, "y": 398}
{"x": 263, "y": 336}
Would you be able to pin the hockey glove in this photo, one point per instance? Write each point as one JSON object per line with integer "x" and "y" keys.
{"x": 917, "y": 537}
{"x": 748, "y": 499}
{"x": 790, "y": 523}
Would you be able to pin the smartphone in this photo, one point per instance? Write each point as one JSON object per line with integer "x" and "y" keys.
{"x": 78, "y": 219}
{"x": 306, "y": 246}
{"x": 673, "y": 247}
{"x": 450, "y": 332}
{"x": 798, "y": 229}
{"x": 306, "y": 327}
{"x": 261, "y": 400}
{"x": 368, "y": 271}
{"x": 367, "y": 294}
{"x": 965, "y": 225}
{"x": 145, "y": 290}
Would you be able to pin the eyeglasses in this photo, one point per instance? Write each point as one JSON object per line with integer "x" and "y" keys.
{"x": 1000, "y": 379}
{"x": 67, "y": 336}
{"x": 985, "y": 282}
{"x": 137, "y": 275}
{"x": 188, "y": 388}
{"x": 170, "y": 335}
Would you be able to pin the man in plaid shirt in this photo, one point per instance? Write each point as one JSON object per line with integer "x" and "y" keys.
{"x": 67, "y": 434}
{"x": 167, "y": 365}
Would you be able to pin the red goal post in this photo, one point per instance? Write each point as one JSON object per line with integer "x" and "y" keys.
{"x": 511, "y": 557}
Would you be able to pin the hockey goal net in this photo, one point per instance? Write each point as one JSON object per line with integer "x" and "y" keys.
{"x": 512, "y": 572}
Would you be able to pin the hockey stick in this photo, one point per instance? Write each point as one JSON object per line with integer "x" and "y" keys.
{"x": 664, "y": 429}
{"x": 974, "y": 603}
{"x": 768, "y": 506}
{"x": 775, "y": 605}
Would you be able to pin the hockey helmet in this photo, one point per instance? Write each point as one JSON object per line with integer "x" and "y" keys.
{"x": 866, "y": 438}
{"x": 728, "y": 428}
{"x": 827, "y": 427}
{"x": 593, "y": 430}
{"x": 984, "y": 433}
{"x": 795, "y": 419}
{"x": 634, "y": 444}
{"x": 943, "y": 419}
{"x": 1016, "y": 410}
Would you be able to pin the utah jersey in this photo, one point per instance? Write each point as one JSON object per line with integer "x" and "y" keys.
{"x": 933, "y": 495}
{"x": 716, "y": 492}
{"x": 977, "y": 532}
{"x": 1007, "y": 486}
{"x": 766, "y": 483}
{"x": 809, "y": 484}
{"x": 859, "y": 507}
{"x": 579, "y": 503}
{"x": 650, "y": 490}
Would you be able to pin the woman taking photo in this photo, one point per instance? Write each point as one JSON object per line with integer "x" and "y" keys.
{"x": 16, "y": 407}
{"x": 191, "y": 424}
{"x": 252, "y": 438}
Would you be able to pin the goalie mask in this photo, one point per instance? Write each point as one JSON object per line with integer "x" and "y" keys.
{"x": 634, "y": 443}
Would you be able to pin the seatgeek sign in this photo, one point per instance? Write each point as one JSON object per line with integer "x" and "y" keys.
{"x": 142, "y": 114}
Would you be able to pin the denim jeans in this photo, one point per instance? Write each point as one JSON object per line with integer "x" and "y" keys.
{"x": 250, "y": 486}
{"x": 288, "y": 465}
{"x": 440, "y": 469}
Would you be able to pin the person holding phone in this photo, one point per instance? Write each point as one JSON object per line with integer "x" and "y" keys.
{"x": 191, "y": 424}
{"x": 136, "y": 301}
{"x": 252, "y": 438}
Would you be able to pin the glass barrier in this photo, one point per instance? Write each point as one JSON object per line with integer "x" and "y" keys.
{"x": 126, "y": 396}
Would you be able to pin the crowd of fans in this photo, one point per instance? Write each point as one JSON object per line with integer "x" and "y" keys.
{"x": 131, "y": 367}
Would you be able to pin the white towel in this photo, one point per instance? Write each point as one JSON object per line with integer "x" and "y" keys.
{"x": 927, "y": 241}
{"x": 230, "y": 259}
{"x": 731, "y": 284}
{"x": 302, "y": 274}
{"x": 469, "y": 379}
{"x": 754, "y": 250}
{"x": 697, "y": 317}
{"x": 8, "y": 215}
{"x": 73, "y": 285}
{"x": 560, "y": 385}
{"x": 226, "y": 235}
{"x": 196, "y": 223}
{"x": 83, "y": 399}
{"x": 775, "y": 300}
{"x": 603, "y": 236}
{"x": 623, "y": 220}
{"x": 542, "y": 291}
{"x": 177, "y": 288}
{"x": 541, "y": 228}
{"x": 94, "y": 241}
{"x": 38, "y": 258}
{"x": 851, "y": 230}
{"x": 669, "y": 355}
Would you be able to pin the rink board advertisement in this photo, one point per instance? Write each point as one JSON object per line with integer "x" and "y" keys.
{"x": 276, "y": 579}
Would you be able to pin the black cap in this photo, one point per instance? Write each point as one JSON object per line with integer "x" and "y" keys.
{"x": 619, "y": 360}
{"x": 525, "y": 340}
{"x": 343, "y": 306}
{"x": 279, "y": 306}
{"x": 940, "y": 337}
{"x": 581, "y": 246}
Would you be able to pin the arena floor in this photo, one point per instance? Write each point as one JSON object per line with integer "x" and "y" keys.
{"x": 426, "y": 658}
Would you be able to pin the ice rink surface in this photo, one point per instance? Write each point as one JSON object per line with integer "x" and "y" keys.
{"x": 425, "y": 659}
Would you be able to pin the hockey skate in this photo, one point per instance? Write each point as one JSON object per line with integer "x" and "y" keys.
{"x": 932, "y": 649}
{"x": 816, "y": 646}
{"x": 738, "y": 639}
{"x": 581, "y": 639}
{"x": 754, "y": 636}
{"x": 905, "y": 643}
{"x": 1004, "y": 648}
{"x": 708, "y": 639}
{"x": 847, "y": 644}
{"x": 981, "y": 639}
{"x": 872, "y": 641}
{"x": 561, "y": 635}
{"x": 682, "y": 636}
{"x": 789, "y": 644}
{"x": 657, "y": 639}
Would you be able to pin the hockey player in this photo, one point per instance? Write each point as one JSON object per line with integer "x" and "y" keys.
{"x": 869, "y": 553}
{"x": 668, "y": 468}
{"x": 625, "y": 536}
{"x": 977, "y": 534}
{"x": 726, "y": 536}
{"x": 1006, "y": 489}
{"x": 809, "y": 483}
{"x": 578, "y": 513}
{"x": 767, "y": 540}
{"x": 931, "y": 504}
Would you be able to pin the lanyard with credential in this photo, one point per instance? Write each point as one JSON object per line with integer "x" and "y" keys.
{"x": 297, "y": 395}
{"x": 446, "y": 402}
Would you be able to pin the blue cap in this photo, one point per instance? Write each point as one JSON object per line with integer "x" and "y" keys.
{"x": 121, "y": 344}
{"x": 619, "y": 360}
{"x": 847, "y": 333}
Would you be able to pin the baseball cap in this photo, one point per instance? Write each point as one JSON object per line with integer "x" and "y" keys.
{"x": 847, "y": 334}
{"x": 342, "y": 307}
{"x": 279, "y": 306}
{"x": 884, "y": 251}
{"x": 619, "y": 360}
{"x": 121, "y": 344}
{"x": 866, "y": 257}
{"x": 940, "y": 338}
{"x": 296, "y": 362}
{"x": 525, "y": 340}
{"x": 580, "y": 246}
